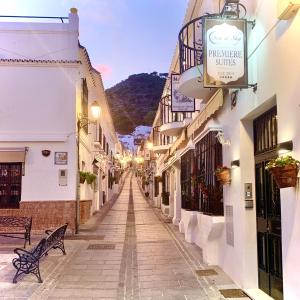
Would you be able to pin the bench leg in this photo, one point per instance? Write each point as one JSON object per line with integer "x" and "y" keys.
{"x": 60, "y": 245}
{"x": 37, "y": 273}
{"x": 18, "y": 273}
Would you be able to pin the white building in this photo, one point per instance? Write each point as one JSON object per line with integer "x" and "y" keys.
{"x": 257, "y": 246}
{"x": 47, "y": 85}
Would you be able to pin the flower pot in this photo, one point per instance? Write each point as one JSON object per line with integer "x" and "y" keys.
{"x": 224, "y": 176}
{"x": 285, "y": 176}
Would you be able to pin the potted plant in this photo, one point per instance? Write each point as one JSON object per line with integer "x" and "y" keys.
{"x": 284, "y": 170}
{"x": 223, "y": 174}
{"x": 90, "y": 177}
{"x": 82, "y": 176}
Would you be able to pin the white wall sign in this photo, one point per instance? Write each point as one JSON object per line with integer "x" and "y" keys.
{"x": 225, "y": 53}
{"x": 179, "y": 102}
{"x": 147, "y": 155}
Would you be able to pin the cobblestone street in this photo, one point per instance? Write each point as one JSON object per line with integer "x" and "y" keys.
{"x": 131, "y": 253}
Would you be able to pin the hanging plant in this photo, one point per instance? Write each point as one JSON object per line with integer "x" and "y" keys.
{"x": 82, "y": 176}
{"x": 223, "y": 174}
{"x": 284, "y": 170}
{"x": 90, "y": 177}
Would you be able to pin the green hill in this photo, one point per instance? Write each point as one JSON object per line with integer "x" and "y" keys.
{"x": 134, "y": 101}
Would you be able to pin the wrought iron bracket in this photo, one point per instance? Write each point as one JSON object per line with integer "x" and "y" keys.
{"x": 253, "y": 23}
{"x": 84, "y": 121}
{"x": 253, "y": 86}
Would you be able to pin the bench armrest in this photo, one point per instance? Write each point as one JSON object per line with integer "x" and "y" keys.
{"x": 21, "y": 251}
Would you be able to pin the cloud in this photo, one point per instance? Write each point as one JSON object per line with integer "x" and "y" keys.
{"x": 105, "y": 70}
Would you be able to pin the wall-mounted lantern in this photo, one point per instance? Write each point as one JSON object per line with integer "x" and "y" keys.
{"x": 285, "y": 147}
{"x": 235, "y": 164}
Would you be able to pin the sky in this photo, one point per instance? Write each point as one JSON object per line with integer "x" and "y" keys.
{"x": 123, "y": 37}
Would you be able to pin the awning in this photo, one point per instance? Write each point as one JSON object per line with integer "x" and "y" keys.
{"x": 213, "y": 105}
{"x": 12, "y": 155}
{"x": 179, "y": 143}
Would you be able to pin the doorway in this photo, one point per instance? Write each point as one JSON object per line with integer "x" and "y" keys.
{"x": 268, "y": 212}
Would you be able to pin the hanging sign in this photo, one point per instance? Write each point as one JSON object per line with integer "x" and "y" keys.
{"x": 179, "y": 102}
{"x": 225, "y": 53}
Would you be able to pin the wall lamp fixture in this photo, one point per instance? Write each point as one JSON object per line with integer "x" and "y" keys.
{"x": 285, "y": 147}
{"x": 235, "y": 164}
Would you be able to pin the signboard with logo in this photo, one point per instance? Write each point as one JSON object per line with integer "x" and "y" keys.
{"x": 179, "y": 102}
{"x": 225, "y": 53}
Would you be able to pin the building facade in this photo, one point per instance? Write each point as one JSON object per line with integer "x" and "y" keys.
{"x": 248, "y": 226}
{"x": 48, "y": 86}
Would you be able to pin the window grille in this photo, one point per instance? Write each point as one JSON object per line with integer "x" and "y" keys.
{"x": 10, "y": 184}
{"x": 84, "y": 103}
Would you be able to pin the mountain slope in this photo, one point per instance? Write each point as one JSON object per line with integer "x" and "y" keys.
{"x": 134, "y": 101}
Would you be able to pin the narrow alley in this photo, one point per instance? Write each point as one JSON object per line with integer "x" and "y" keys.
{"x": 131, "y": 253}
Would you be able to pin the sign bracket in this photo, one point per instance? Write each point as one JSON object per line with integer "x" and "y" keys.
{"x": 253, "y": 86}
{"x": 252, "y": 23}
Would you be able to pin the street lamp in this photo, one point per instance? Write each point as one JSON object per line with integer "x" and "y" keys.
{"x": 83, "y": 121}
{"x": 149, "y": 145}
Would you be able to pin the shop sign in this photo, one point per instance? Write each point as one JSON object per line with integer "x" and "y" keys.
{"x": 179, "y": 102}
{"x": 225, "y": 53}
{"x": 147, "y": 154}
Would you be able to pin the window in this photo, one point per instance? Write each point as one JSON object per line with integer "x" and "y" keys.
{"x": 187, "y": 161}
{"x": 165, "y": 188}
{"x": 265, "y": 132}
{"x": 84, "y": 103}
{"x": 208, "y": 191}
{"x": 10, "y": 184}
{"x": 100, "y": 134}
{"x": 107, "y": 149}
{"x": 104, "y": 143}
{"x": 156, "y": 186}
{"x": 199, "y": 188}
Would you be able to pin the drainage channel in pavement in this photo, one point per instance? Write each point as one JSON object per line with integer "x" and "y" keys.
{"x": 128, "y": 286}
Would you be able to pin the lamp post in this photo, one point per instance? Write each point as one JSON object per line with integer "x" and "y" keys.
{"x": 83, "y": 121}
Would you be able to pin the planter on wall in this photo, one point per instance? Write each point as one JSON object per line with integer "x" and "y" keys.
{"x": 285, "y": 176}
{"x": 82, "y": 176}
{"x": 224, "y": 176}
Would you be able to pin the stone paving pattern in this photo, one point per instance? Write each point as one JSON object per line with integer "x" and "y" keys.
{"x": 146, "y": 258}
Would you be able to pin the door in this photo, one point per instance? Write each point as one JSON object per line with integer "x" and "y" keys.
{"x": 10, "y": 184}
{"x": 268, "y": 212}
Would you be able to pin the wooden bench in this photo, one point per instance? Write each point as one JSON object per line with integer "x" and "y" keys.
{"x": 11, "y": 226}
{"x": 29, "y": 261}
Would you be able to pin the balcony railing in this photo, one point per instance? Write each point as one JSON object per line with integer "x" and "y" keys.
{"x": 160, "y": 139}
{"x": 167, "y": 116}
{"x": 191, "y": 44}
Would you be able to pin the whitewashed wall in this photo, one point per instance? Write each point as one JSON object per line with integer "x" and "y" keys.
{"x": 37, "y": 103}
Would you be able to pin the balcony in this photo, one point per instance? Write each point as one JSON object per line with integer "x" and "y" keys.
{"x": 172, "y": 122}
{"x": 161, "y": 143}
{"x": 191, "y": 61}
{"x": 98, "y": 147}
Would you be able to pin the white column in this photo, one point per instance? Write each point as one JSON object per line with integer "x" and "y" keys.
{"x": 177, "y": 197}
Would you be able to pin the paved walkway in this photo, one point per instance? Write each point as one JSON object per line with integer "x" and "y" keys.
{"x": 132, "y": 253}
